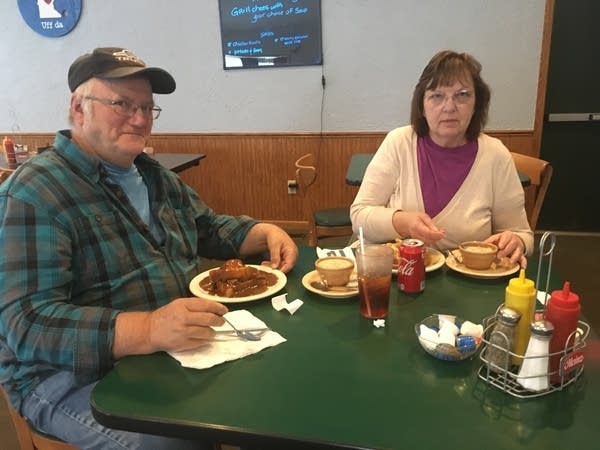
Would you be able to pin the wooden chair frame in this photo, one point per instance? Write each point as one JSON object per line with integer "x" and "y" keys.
{"x": 28, "y": 437}
{"x": 540, "y": 174}
{"x": 306, "y": 175}
{"x": 4, "y": 174}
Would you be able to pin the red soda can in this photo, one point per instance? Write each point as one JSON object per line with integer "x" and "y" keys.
{"x": 411, "y": 267}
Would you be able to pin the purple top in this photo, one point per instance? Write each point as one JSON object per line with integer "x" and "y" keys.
{"x": 442, "y": 171}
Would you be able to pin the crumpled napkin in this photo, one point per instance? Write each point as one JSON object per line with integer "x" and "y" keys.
{"x": 227, "y": 347}
{"x": 279, "y": 302}
{"x": 346, "y": 251}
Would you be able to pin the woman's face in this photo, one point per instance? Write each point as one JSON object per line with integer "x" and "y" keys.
{"x": 448, "y": 111}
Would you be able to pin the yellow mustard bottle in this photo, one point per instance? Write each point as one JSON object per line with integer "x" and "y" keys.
{"x": 520, "y": 296}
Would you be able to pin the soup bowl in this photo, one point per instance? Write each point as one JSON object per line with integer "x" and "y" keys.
{"x": 478, "y": 255}
{"x": 335, "y": 270}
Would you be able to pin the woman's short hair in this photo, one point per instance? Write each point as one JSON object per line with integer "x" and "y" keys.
{"x": 444, "y": 69}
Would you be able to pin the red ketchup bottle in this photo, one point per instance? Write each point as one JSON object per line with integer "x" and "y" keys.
{"x": 562, "y": 310}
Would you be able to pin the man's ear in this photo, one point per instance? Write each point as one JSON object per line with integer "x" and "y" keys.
{"x": 76, "y": 108}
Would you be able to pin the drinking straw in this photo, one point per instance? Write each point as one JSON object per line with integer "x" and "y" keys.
{"x": 361, "y": 240}
{"x": 364, "y": 269}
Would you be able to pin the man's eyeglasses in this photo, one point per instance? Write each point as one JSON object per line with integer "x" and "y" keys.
{"x": 128, "y": 109}
{"x": 461, "y": 97}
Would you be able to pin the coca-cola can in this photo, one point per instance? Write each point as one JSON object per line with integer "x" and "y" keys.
{"x": 411, "y": 267}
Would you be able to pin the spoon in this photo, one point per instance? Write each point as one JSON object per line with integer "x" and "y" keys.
{"x": 244, "y": 335}
{"x": 323, "y": 287}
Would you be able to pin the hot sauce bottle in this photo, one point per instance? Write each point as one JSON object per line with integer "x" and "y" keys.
{"x": 520, "y": 296}
{"x": 9, "y": 150}
{"x": 562, "y": 310}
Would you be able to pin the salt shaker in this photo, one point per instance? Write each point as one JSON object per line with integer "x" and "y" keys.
{"x": 501, "y": 340}
{"x": 534, "y": 369}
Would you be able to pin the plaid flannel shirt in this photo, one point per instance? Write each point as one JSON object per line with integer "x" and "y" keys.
{"x": 74, "y": 253}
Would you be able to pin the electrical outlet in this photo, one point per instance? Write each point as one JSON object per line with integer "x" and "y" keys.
{"x": 292, "y": 186}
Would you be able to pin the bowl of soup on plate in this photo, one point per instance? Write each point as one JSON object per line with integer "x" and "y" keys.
{"x": 478, "y": 255}
{"x": 335, "y": 270}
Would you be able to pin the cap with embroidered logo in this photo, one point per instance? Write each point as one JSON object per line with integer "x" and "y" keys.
{"x": 115, "y": 62}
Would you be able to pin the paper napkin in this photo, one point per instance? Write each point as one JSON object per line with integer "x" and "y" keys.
{"x": 280, "y": 302}
{"x": 227, "y": 347}
{"x": 346, "y": 251}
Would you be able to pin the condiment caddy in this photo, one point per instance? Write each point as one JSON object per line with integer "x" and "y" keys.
{"x": 528, "y": 352}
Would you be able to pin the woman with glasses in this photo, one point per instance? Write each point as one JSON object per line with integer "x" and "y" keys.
{"x": 441, "y": 179}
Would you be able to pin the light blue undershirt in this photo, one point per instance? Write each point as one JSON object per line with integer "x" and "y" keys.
{"x": 132, "y": 183}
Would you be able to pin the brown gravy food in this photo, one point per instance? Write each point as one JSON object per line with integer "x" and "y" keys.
{"x": 235, "y": 279}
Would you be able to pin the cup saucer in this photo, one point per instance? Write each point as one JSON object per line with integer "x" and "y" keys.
{"x": 313, "y": 276}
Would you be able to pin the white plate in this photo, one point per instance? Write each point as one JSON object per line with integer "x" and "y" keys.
{"x": 314, "y": 276}
{"x": 437, "y": 256}
{"x": 199, "y": 292}
{"x": 498, "y": 272}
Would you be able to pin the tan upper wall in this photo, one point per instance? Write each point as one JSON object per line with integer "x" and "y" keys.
{"x": 373, "y": 54}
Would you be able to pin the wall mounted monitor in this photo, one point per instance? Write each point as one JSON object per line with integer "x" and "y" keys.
{"x": 262, "y": 33}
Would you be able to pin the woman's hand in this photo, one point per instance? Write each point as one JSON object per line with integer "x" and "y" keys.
{"x": 417, "y": 225}
{"x": 511, "y": 246}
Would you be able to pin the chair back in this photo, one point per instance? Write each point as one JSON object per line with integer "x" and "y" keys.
{"x": 540, "y": 174}
{"x": 322, "y": 222}
{"x": 4, "y": 174}
{"x": 29, "y": 438}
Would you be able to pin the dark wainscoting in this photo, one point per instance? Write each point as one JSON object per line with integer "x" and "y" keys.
{"x": 247, "y": 173}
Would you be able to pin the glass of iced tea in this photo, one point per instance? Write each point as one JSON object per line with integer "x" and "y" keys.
{"x": 374, "y": 268}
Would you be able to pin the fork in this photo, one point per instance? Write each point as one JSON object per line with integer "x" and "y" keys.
{"x": 244, "y": 334}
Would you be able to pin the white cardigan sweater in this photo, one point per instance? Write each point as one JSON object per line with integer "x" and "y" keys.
{"x": 489, "y": 201}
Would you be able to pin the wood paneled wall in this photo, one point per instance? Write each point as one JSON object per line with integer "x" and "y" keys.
{"x": 248, "y": 173}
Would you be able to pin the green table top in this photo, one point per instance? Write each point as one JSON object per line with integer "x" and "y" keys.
{"x": 339, "y": 382}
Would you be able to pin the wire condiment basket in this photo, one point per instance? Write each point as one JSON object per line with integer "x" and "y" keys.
{"x": 505, "y": 376}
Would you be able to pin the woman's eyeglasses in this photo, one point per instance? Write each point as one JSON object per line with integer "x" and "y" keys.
{"x": 438, "y": 98}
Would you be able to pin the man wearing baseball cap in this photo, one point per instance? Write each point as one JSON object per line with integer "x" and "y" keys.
{"x": 98, "y": 244}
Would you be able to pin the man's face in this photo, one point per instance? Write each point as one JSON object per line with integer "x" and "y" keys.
{"x": 112, "y": 132}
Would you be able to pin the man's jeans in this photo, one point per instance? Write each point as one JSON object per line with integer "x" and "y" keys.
{"x": 60, "y": 408}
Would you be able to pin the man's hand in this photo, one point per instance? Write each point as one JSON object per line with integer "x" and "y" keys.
{"x": 182, "y": 324}
{"x": 263, "y": 237}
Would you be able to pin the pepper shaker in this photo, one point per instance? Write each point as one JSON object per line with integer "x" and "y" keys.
{"x": 501, "y": 340}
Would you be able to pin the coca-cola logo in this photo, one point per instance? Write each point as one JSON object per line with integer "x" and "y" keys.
{"x": 573, "y": 361}
{"x": 407, "y": 266}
